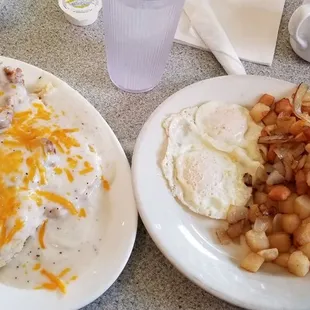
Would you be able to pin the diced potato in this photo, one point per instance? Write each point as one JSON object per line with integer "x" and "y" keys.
{"x": 261, "y": 224}
{"x": 279, "y": 166}
{"x": 301, "y": 137}
{"x": 254, "y": 212}
{"x": 282, "y": 259}
{"x": 302, "y": 206}
{"x": 271, "y": 155}
{"x": 270, "y": 226}
{"x": 269, "y": 254}
{"x": 259, "y": 111}
{"x": 292, "y": 249}
{"x": 305, "y": 221}
{"x": 287, "y": 206}
{"x": 260, "y": 197}
{"x": 284, "y": 105}
{"x": 301, "y": 182}
{"x": 277, "y": 223}
{"x": 290, "y": 222}
{"x": 270, "y": 118}
{"x": 267, "y": 100}
{"x": 281, "y": 241}
{"x": 222, "y": 236}
{"x": 297, "y": 127}
{"x": 306, "y": 131}
{"x": 279, "y": 193}
{"x": 236, "y": 214}
{"x": 305, "y": 249}
{"x": 252, "y": 262}
{"x": 257, "y": 241}
{"x": 307, "y": 148}
{"x": 308, "y": 178}
{"x": 235, "y": 230}
{"x": 307, "y": 164}
{"x": 298, "y": 264}
{"x": 302, "y": 235}
{"x": 284, "y": 125}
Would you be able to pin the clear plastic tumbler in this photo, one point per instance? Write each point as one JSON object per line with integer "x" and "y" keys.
{"x": 138, "y": 39}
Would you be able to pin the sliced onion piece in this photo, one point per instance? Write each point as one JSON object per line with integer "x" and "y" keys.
{"x": 275, "y": 178}
{"x": 283, "y": 138}
{"x": 298, "y": 99}
{"x": 261, "y": 224}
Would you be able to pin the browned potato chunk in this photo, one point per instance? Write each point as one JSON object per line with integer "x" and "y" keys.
{"x": 236, "y": 214}
{"x": 284, "y": 125}
{"x": 267, "y": 99}
{"x": 259, "y": 111}
{"x": 235, "y": 230}
{"x": 307, "y": 147}
{"x": 252, "y": 262}
{"x": 277, "y": 223}
{"x": 254, "y": 212}
{"x": 297, "y": 127}
{"x": 279, "y": 193}
{"x": 298, "y": 264}
{"x": 287, "y": 206}
{"x": 302, "y": 206}
{"x": 222, "y": 236}
{"x": 301, "y": 182}
{"x": 281, "y": 241}
{"x": 260, "y": 198}
{"x": 257, "y": 241}
{"x": 269, "y": 254}
{"x": 301, "y": 137}
{"x": 302, "y": 235}
{"x": 290, "y": 222}
{"x": 284, "y": 105}
{"x": 305, "y": 249}
{"x": 306, "y": 221}
{"x": 270, "y": 118}
{"x": 282, "y": 259}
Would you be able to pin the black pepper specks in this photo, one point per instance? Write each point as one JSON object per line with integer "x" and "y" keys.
{"x": 60, "y": 252}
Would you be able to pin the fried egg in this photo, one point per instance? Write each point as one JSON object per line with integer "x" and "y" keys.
{"x": 209, "y": 149}
{"x": 229, "y": 127}
{"x": 204, "y": 179}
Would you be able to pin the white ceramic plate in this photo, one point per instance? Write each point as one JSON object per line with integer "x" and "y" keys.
{"x": 188, "y": 240}
{"x": 120, "y": 215}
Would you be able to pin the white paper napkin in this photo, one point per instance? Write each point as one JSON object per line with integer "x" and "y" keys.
{"x": 202, "y": 17}
{"x": 251, "y": 26}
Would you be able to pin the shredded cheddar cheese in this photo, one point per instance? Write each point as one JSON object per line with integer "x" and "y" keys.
{"x": 73, "y": 278}
{"x": 82, "y": 213}
{"x": 72, "y": 162}
{"x": 64, "y": 272}
{"x": 60, "y": 200}
{"x": 36, "y": 267}
{"x": 54, "y": 280}
{"x": 58, "y": 170}
{"x": 42, "y": 234}
{"x": 87, "y": 168}
{"x": 105, "y": 183}
{"x": 69, "y": 175}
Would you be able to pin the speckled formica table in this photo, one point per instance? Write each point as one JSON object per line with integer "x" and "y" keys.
{"x": 35, "y": 31}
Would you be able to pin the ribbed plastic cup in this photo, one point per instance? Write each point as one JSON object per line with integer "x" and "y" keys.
{"x": 138, "y": 39}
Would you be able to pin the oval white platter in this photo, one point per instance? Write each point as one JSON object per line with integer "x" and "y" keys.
{"x": 120, "y": 214}
{"x": 188, "y": 240}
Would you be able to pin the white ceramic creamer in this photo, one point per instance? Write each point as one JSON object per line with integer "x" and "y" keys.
{"x": 299, "y": 29}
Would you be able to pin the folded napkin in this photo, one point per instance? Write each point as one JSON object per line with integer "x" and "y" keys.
{"x": 202, "y": 17}
{"x": 250, "y": 25}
